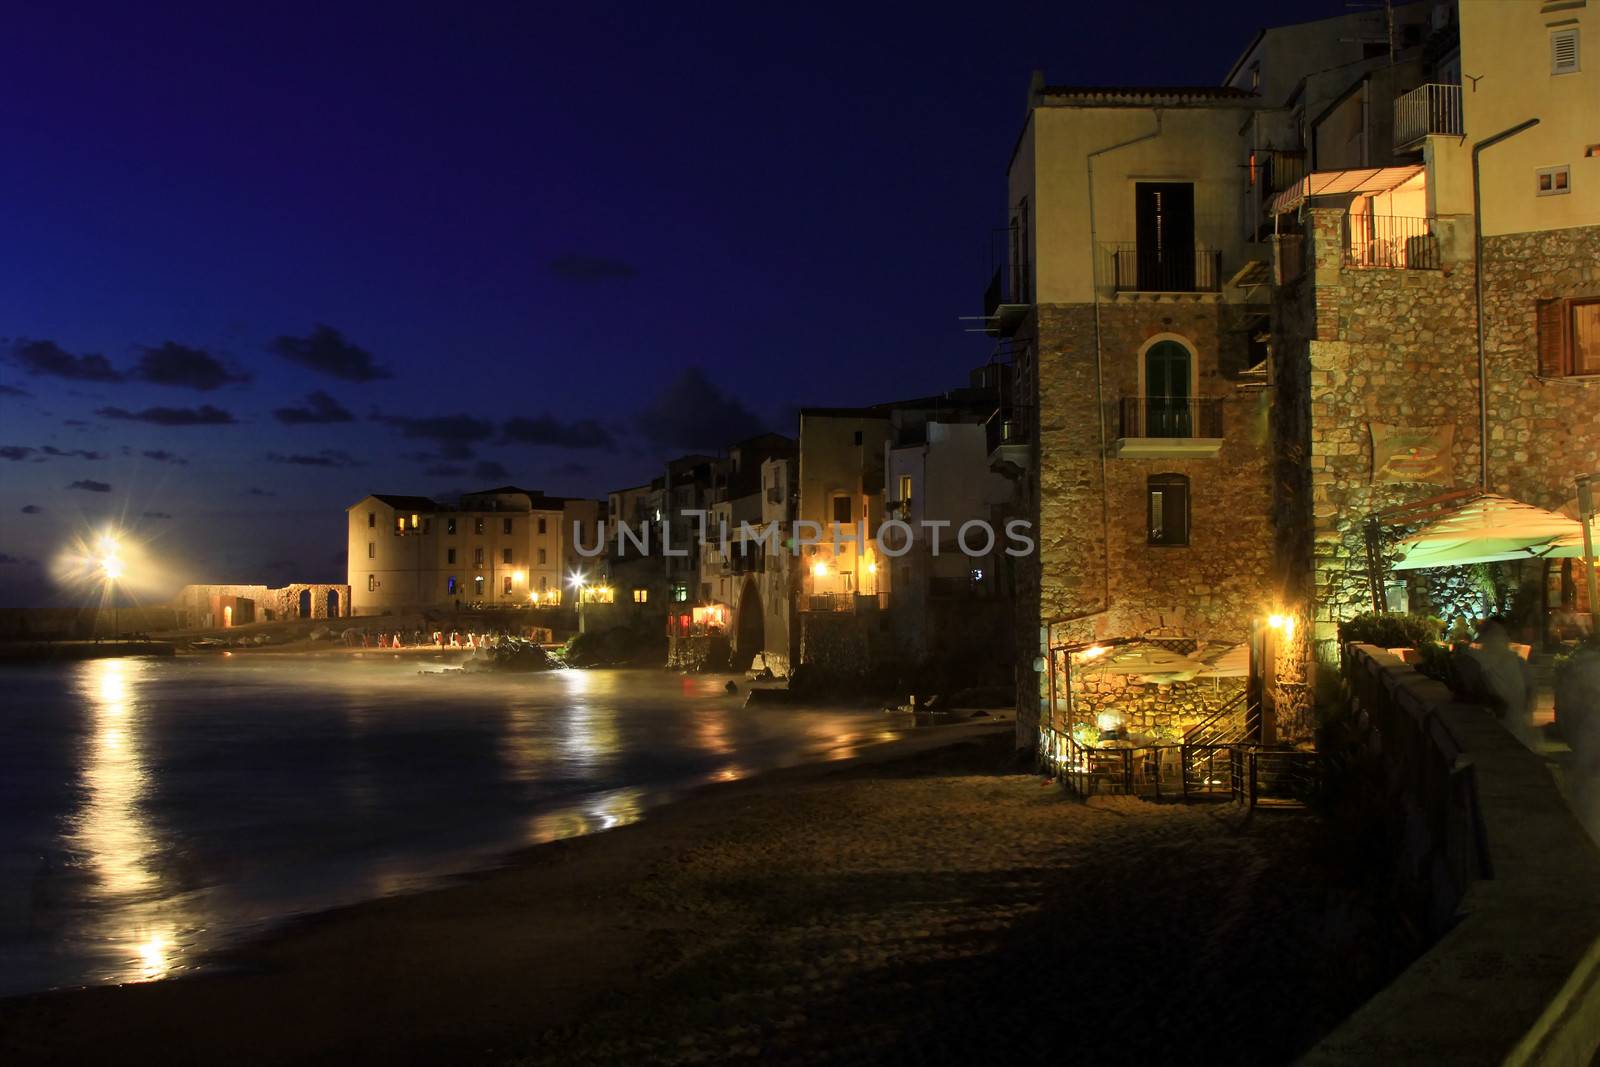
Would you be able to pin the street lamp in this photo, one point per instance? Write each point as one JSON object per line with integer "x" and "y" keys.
{"x": 111, "y": 570}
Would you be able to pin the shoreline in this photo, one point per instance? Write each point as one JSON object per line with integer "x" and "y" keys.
{"x": 733, "y": 923}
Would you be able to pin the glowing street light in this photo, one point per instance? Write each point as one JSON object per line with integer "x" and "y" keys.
{"x": 110, "y": 564}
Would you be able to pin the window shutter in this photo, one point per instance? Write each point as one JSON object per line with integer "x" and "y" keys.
{"x": 1564, "y": 51}
{"x": 1552, "y": 338}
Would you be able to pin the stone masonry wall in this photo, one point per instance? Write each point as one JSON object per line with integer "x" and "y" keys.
{"x": 1354, "y": 347}
{"x": 1084, "y": 583}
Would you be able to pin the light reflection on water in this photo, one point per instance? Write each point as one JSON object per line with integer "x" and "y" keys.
{"x": 154, "y": 811}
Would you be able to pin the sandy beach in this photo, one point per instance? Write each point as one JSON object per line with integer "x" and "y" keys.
{"x": 929, "y": 902}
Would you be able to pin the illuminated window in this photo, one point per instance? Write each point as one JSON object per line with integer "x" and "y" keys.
{"x": 415, "y": 521}
{"x": 372, "y": 520}
{"x": 477, "y": 585}
{"x": 372, "y": 583}
{"x": 399, "y": 524}
{"x": 680, "y": 592}
{"x": 641, "y": 596}
{"x": 449, "y": 526}
{"x": 541, "y": 526}
{"x": 505, "y": 526}
{"x": 1168, "y": 496}
{"x": 505, "y": 555}
{"x": 372, "y": 550}
{"x": 450, "y": 557}
{"x": 905, "y": 490}
{"x": 477, "y": 525}
{"x": 541, "y": 557}
{"x": 505, "y": 586}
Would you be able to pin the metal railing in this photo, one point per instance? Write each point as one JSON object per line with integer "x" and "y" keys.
{"x": 1390, "y": 242}
{"x": 845, "y": 602}
{"x": 1169, "y": 416}
{"x": 1430, "y": 108}
{"x": 1136, "y": 269}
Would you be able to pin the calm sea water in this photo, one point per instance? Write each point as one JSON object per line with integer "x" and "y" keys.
{"x": 152, "y": 811}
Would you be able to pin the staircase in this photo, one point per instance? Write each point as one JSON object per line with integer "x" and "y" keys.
{"x": 1208, "y": 750}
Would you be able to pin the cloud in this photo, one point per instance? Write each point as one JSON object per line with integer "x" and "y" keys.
{"x": 588, "y": 270}
{"x": 453, "y": 435}
{"x": 11, "y": 390}
{"x": 253, "y": 491}
{"x": 17, "y": 561}
{"x": 325, "y": 350}
{"x": 445, "y": 470}
{"x": 32, "y": 509}
{"x": 488, "y": 469}
{"x": 157, "y": 515}
{"x": 80, "y": 453}
{"x": 548, "y": 430}
{"x": 692, "y": 412}
{"x": 328, "y": 457}
{"x": 89, "y": 485}
{"x": 15, "y": 453}
{"x": 191, "y": 368}
{"x": 571, "y": 470}
{"x": 320, "y": 407}
{"x": 161, "y": 455}
{"x": 204, "y": 415}
{"x": 51, "y": 360}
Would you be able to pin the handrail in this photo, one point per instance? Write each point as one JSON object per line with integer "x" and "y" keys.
{"x": 1192, "y": 734}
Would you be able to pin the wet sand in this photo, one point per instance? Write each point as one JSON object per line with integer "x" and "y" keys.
{"x": 925, "y": 903}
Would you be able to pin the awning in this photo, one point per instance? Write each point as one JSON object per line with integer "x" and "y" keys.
{"x": 1152, "y": 662}
{"x": 1335, "y": 182}
{"x": 1488, "y": 529}
{"x": 1227, "y": 662}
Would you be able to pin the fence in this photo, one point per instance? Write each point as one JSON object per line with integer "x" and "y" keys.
{"x": 1430, "y": 108}
{"x": 1139, "y": 269}
{"x": 1390, "y": 242}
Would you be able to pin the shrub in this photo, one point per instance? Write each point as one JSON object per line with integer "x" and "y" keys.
{"x": 1391, "y": 631}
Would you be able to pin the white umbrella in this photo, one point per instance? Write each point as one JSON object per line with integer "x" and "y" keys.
{"x": 1152, "y": 662}
{"x": 1487, "y": 529}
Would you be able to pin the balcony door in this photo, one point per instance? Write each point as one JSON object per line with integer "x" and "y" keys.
{"x": 1166, "y": 391}
{"x": 1165, "y": 232}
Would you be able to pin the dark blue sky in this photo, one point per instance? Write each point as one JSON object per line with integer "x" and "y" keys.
{"x": 633, "y": 230}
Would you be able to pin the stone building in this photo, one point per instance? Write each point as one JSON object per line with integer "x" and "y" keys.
{"x": 503, "y": 547}
{"x": 1244, "y": 321}
{"x": 226, "y": 606}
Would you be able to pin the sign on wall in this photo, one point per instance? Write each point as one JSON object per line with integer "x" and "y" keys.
{"x": 1411, "y": 453}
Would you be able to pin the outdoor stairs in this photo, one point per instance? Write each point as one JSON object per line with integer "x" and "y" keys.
{"x": 1210, "y": 753}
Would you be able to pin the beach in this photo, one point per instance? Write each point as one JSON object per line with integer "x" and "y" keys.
{"x": 928, "y": 901}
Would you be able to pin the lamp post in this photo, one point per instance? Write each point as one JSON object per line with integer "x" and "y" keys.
{"x": 111, "y": 570}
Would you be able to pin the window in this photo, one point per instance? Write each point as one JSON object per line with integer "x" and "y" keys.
{"x": 477, "y": 556}
{"x": 541, "y": 557}
{"x": 477, "y": 585}
{"x": 544, "y": 583}
{"x": 400, "y": 524}
{"x": 680, "y": 592}
{"x": 372, "y": 583}
{"x": 1168, "y": 509}
{"x": 372, "y": 550}
{"x": 506, "y": 584}
{"x": 449, "y": 555}
{"x": 450, "y": 526}
{"x": 1564, "y": 51}
{"x": 847, "y": 581}
{"x": 541, "y": 526}
{"x": 477, "y": 526}
{"x": 505, "y": 555}
{"x": 1569, "y": 337}
{"x": 841, "y": 509}
{"x": 905, "y": 490}
{"x": 372, "y": 520}
{"x": 415, "y": 521}
{"x": 858, "y": 437}
{"x": 427, "y": 526}
{"x": 641, "y": 596}
{"x": 505, "y": 526}
{"x": 450, "y": 585}
{"x": 1554, "y": 181}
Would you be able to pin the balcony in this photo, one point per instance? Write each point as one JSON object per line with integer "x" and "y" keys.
{"x": 845, "y": 603}
{"x": 1425, "y": 110}
{"x": 1158, "y": 273}
{"x": 1390, "y": 242}
{"x": 1006, "y": 433}
{"x": 1003, "y": 309}
{"x": 1167, "y": 427}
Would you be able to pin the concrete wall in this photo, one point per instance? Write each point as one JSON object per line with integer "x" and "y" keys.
{"x": 1506, "y": 46}
{"x": 1516, "y": 979}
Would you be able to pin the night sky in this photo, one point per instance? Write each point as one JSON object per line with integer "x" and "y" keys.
{"x": 257, "y": 262}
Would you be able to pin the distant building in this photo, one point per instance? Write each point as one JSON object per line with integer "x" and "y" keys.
{"x": 504, "y": 547}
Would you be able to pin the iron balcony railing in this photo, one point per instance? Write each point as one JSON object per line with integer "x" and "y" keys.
{"x": 1169, "y": 416}
{"x": 1137, "y": 269}
{"x": 845, "y": 602}
{"x": 1431, "y": 108}
{"x": 1390, "y": 242}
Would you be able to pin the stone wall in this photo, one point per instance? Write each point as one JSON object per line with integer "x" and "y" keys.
{"x": 1355, "y": 347}
{"x": 1095, "y": 574}
{"x": 1149, "y": 712}
{"x": 193, "y": 602}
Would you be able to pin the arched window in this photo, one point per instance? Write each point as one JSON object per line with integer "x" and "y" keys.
{"x": 1167, "y": 370}
{"x": 1168, "y": 509}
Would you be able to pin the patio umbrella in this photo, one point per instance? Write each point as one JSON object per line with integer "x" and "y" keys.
{"x": 1487, "y": 529}
{"x": 1227, "y": 663}
{"x": 1152, "y": 662}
